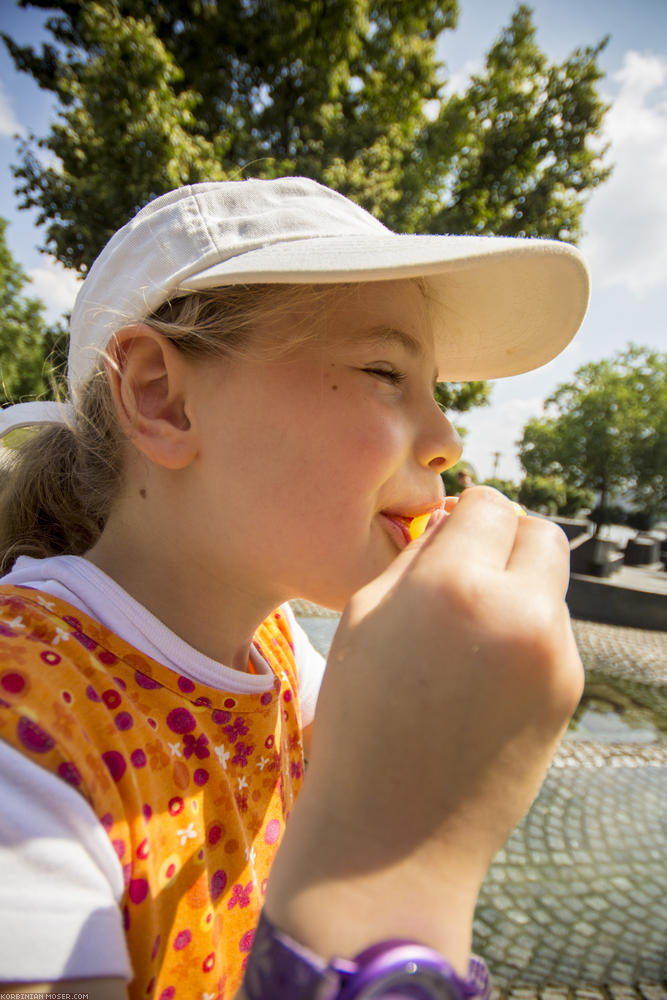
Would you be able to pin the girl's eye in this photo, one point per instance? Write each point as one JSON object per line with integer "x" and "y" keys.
{"x": 392, "y": 374}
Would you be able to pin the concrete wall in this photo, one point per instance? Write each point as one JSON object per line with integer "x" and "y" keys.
{"x": 598, "y": 600}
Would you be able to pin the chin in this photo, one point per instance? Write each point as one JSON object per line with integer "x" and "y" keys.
{"x": 335, "y": 594}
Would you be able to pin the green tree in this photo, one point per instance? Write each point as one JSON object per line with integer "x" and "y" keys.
{"x": 542, "y": 493}
{"x": 523, "y": 159}
{"x": 606, "y": 430}
{"x": 577, "y": 499}
{"x": 25, "y": 339}
{"x": 350, "y": 92}
{"x": 123, "y": 135}
{"x": 457, "y": 397}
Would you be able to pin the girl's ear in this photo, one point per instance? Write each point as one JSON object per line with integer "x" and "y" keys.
{"x": 149, "y": 384}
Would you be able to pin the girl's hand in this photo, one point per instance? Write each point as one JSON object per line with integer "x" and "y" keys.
{"x": 450, "y": 682}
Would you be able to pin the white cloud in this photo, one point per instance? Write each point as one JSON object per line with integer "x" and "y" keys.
{"x": 56, "y": 286}
{"x": 626, "y": 220}
{"x": 459, "y": 81}
{"x": 9, "y": 125}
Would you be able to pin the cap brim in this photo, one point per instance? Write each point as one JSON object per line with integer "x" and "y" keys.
{"x": 500, "y": 305}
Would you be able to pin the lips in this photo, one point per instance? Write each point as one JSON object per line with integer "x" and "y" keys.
{"x": 404, "y": 528}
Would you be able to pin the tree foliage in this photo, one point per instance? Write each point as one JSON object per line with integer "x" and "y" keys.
{"x": 542, "y": 493}
{"x": 151, "y": 95}
{"x": 460, "y": 396}
{"x": 607, "y": 430}
{"x": 349, "y": 92}
{"x": 523, "y": 158}
{"x": 25, "y": 339}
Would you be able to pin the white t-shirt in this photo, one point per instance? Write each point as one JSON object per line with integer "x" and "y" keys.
{"x": 60, "y": 880}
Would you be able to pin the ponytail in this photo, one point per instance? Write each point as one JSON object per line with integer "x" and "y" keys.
{"x": 58, "y": 485}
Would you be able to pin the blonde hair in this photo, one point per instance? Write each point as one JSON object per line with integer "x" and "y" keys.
{"x": 58, "y": 486}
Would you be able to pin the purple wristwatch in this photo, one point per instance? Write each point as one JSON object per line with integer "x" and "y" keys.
{"x": 281, "y": 969}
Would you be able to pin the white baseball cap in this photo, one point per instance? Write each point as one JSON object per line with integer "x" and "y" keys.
{"x": 500, "y": 305}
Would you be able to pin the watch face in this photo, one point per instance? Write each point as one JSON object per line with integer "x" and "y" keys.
{"x": 412, "y": 982}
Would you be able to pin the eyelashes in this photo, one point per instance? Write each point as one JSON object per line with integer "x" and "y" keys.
{"x": 396, "y": 377}
{"x": 392, "y": 375}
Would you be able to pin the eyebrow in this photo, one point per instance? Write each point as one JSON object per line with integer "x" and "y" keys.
{"x": 390, "y": 334}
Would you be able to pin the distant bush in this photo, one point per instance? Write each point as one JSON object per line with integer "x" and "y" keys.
{"x": 610, "y": 513}
{"x": 545, "y": 494}
{"x": 641, "y": 520}
{"x": 577, "y": 499}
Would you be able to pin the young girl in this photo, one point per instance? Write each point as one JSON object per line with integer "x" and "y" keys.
{"x": 252, "y": 419}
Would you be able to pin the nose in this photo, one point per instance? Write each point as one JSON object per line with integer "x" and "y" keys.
{"x": 439, "y": 446}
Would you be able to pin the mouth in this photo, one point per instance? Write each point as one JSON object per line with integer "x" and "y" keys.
{"x": 404, "y": 528}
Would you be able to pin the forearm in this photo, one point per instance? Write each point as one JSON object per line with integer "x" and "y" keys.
{"x": 337, "y": 890}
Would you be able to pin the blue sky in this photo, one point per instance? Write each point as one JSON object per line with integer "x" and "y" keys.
{"x": 625, "y": 220}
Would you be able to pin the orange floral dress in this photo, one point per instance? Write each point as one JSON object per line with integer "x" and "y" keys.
{"x": 192, "y": 785}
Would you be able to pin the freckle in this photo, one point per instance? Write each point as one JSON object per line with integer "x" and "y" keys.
{"x": 334, "y": 387}
{"x": 142, "y": 493}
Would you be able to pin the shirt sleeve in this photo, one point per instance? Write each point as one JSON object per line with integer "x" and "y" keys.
{"x": 60, "y": 881}
{"x": 310, "y": 668}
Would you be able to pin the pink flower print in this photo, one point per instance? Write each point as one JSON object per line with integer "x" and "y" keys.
{"x": 242, "y": 753}
{"x": 295, "y": 769}
{"x": 240, "y": 896}
{"x": 197, "y": 746}
{"x": 294, "y": 742}
{"x": 85, "y": 640}
{"x": 245, "y": 944}
{"x": 236, "y": 729}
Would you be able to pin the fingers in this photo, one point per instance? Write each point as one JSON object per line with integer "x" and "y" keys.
{"x": 541, "y": 553}
{"x": 480, "y": 531}
{"x": 484, "y": 530}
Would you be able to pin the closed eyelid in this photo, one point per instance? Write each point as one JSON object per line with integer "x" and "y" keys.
{"x": 384, "y": 336}
{"x": 387, "y": 369}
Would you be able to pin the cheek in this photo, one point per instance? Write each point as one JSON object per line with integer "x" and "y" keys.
{"x": 376, "y": 432}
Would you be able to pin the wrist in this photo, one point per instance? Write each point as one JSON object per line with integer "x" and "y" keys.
{"x": 335, "y": 890}
{"x": 331, "y": 894}
{"x": 280, "y": 968}
{"x": 344, "y": 916}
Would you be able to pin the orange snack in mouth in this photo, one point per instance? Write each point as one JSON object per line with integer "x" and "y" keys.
{"x": 418, "y": 524}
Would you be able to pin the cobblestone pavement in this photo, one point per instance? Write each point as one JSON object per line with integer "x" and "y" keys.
{"x": 625, "y": 652}
{"x": 584, "y": 991}
{"x": 575, "y": 905}
{"x": 579, "y": 892}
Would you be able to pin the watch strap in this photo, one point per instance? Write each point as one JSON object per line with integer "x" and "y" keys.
{"x": 280, "y": 968}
